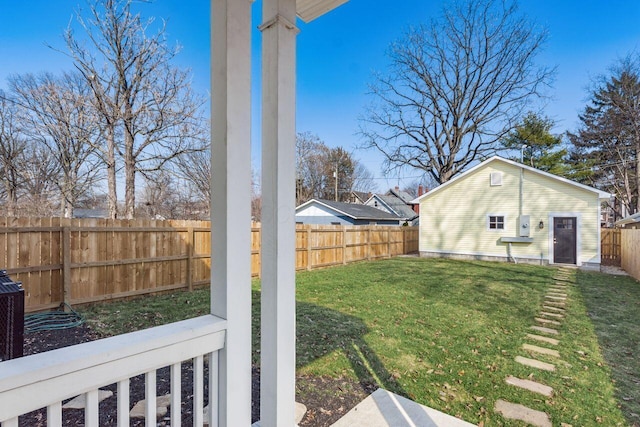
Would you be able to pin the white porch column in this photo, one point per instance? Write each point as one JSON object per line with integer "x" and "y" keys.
{"x": 278, "y": 317}
{"x": 231, "y": 203}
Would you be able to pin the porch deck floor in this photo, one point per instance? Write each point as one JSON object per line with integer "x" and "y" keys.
{"x": 385, "y": 409}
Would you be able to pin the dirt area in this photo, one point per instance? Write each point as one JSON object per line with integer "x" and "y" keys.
{"x": 326, "y": 399}
{"x": 613, "y": 269}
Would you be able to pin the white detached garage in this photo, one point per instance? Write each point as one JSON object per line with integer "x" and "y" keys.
{"x": 506, "y": 211}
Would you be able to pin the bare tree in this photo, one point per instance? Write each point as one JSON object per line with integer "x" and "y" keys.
{"x": 455, "y": 87}
{"x": 60, "y": 118}
{"x": 39, "y": 169}
{"x": 194, "y": 168}
{"x": 12, "y": 146}
{"x": 310, "y": 171}
{"x": 363, "y": 179}
{"x": 137, "y": 92}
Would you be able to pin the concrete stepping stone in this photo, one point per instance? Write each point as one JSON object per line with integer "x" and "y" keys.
{"x": 532, "y": 386}
{"x": 545, "y": 330}
{"x": 551, "y": 308}
{"x": 557, "y": 289}
{"x": 535, "y": 363}
{"x": 162, "y": 405}
{"x": 547, "y": 321}
{"x": 555, "y": 303}
{"x": 557, "y": 294}
{"x": 513, "y": 411}
{"x": 540, "y": 338}
{"x": 541, "y": 350}
{"x": 80, "y": 402}
{"x": 547, "y": 314}
{"x": 551, "y": 297}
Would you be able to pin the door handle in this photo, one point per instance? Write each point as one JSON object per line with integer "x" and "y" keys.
{"x": 554, "y": 241}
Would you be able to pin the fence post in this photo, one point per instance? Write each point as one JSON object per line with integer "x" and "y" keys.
{"x": 308, "y": 246}
{"x": 66, "y": 265}
{"x": 190, "y": 263}
{"x": 344, "y": 244}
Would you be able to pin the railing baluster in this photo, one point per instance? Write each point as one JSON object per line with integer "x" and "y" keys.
{"x": 213, "y": 389}
{"x": 54, "y": 415}
{"x": 150, "y": 396}
{"x": 123, "y": 403}
{"x": 91, "y": 409}
{"x": 176, "y": 394}
{"x": 198, "y": 391}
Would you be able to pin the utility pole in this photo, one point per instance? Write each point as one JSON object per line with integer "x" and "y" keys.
{"x": 335, "y": 175}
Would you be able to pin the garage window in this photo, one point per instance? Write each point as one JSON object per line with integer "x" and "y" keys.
{"x": 495, "y": 222}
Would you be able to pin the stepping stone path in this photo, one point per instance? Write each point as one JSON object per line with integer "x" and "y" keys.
{"x": 550, "y": 317}
{"x": 79, "y": 402}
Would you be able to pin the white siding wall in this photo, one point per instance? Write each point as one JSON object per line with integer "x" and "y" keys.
{"x": 454, "y": 220}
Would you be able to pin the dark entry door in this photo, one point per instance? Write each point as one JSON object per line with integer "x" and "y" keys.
{"x": 564, "y": 240}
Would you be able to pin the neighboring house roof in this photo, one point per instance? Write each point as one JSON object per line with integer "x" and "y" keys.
{"x": 601, "y": 194}
{"x": 352, "y": 210}
{"x": 396, "y": 205}
{"x": 402, "y": 195}
{"x": 632, "y": 219}
{"x": 360, "y": 195}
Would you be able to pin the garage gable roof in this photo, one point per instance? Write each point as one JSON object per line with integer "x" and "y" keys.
{"x": 601, "y": 194}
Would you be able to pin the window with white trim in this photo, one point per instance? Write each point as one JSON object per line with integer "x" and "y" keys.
{"x": 495, "y": 222}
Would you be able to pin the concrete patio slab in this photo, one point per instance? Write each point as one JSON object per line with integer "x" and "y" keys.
{"x": 300, "y": 411}
{"x": 385, "y": 409}
{"x": 529, "y": 385}
{"x": 514, "y": 411}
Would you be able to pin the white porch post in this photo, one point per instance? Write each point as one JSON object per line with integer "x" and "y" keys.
{"x": 278, "y": 317}
{"x": 231, "y": 203}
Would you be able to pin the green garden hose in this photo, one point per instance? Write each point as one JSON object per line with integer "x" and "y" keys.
{"x": 53, "y": 320}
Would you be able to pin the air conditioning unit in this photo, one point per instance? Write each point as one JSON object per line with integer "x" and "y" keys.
{"x": 11, "y": 318}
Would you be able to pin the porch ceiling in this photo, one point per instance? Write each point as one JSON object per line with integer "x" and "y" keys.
{"x": 308, "y": 10}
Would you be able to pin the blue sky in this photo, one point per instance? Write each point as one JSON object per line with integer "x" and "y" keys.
{"x": 338, "y": 53}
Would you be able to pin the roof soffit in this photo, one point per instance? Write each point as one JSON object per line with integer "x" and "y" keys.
{"x": 308, "y": 10}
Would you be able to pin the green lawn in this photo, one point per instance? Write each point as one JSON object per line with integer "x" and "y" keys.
{"x": 444, "y": 333}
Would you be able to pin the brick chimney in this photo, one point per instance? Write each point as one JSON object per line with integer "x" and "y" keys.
{"x": 421, "y": 191}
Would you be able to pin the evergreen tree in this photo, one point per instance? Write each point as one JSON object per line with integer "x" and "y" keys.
{"x": 608, "y": 140}
{"x": 540, "y": 148}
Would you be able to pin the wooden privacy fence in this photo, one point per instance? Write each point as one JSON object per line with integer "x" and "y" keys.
{"x": 630, "y": 244}
{"x": 610, "y": 249}
{"x": 81, "y": 261}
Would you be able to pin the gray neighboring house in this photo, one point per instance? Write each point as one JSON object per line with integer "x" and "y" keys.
{"x": 632, "y": 221}
{"x": 318, "y": 211}
{"x": 394, "y": 203}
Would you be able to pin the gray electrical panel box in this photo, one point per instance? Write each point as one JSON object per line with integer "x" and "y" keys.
{"x": 525, "y": 226}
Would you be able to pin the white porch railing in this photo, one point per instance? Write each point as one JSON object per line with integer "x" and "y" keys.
{"x": 44, "y": 380}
